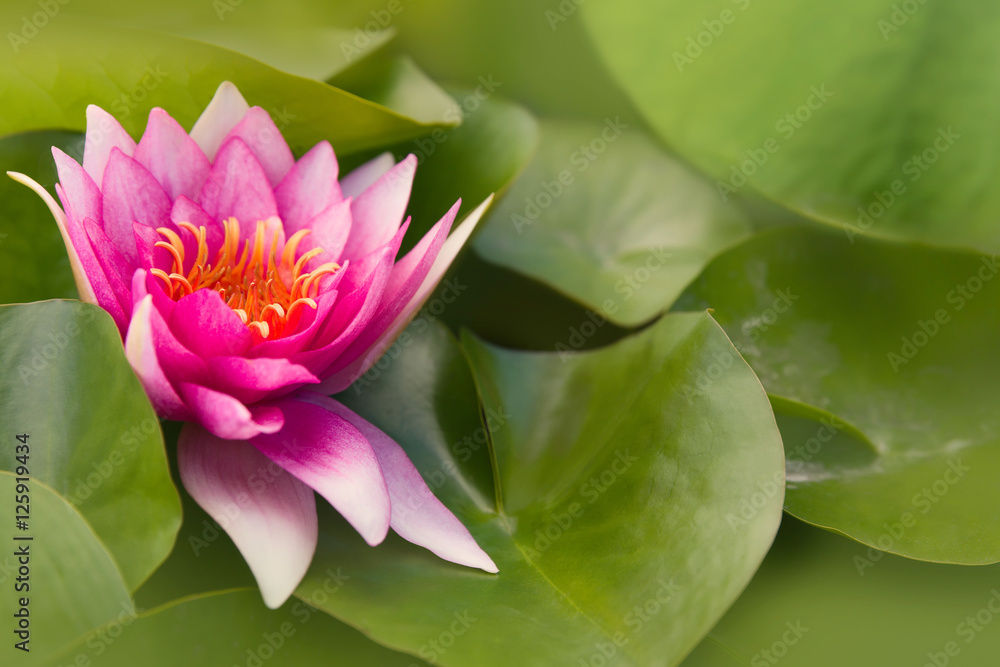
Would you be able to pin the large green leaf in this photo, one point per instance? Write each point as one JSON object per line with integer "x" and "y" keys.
{"x": 231, "y": 628}
{"x": 33, "y": 261}
{"x": 547, "y": 63}
{"x": 605, "y": 216}
{"x": 809, "y": 606}
{"x": 612, "y": 509}
{"x": 95, "y": 438}
{"x": 480, "y": 157}
{"x": 50, "y": 80}
{"x": 398, "y": 84}
{"x": 67, "y": 580}
{"x": 896, "y": 341}
{"x": 885, "y": 106}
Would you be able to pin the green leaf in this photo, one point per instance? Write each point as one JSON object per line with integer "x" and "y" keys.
{"x": 398, "y": 84}
{"x": 480, "y": 157}
{"x": 128, "y": 72}
{"x": 611, "y": 508}
{"x": 820, "y": 600}
{"x": 311, "y": 52}
{"x": 512, "y": 45}
{"x": 605, "y": 216}
{"x": 231, "y": 627}
{"x": 68, "y": 579}
{"x": 32, "y": 254}
{"x": 94, "y": 437}
{"x": 826, "y": 107}
{"x": 895, "y": 341}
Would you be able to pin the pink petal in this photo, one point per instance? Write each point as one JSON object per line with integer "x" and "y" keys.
{"x": 204, "y": 324}
{"x": 348, "y": 319}
{"x": 264, "y": 139}
{"x": 417, "y": 515}
{"x": 270, "y": 516}
{"x": 179, "y": 363}
{"x": 341, "y": 379}
{"x": 144, "y": 283}
{"x": 116, "y": 271}
{"x": 407, "y": 277}
{"x": 378, "y": 211}
{"x": 310, "y": 322}
{"x": 82, "y": 196}
{"x": 131, "y": 194}
{"x": 327, "y": 453}
{"x": 149, "y": 256}
{"x": 104, "y": 133}
{"x": 141, "y": 354}
{"x": 79, "y": 258}
{"x": 226, "y": 109}
{"x": 309, "y": 188}
{"x": 186, "y": 210}
{"x": 330, "y": 231}
{"x": 171, "y": 156}
{"x": 238, "y": 187}
{"x": 251, "y": 380}
{"x": 365, "y": 176}
{"x": 226, "y": 417}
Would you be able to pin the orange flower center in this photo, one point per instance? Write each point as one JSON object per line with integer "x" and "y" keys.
{"x": 267, "y": 293}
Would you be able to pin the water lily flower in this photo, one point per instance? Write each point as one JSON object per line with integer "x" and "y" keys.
{"x": 247, "y": 286}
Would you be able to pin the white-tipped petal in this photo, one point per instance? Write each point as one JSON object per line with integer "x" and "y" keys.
{"x": 221, "y": 115}
{"x": 270, "y": 515}
{"x": 83, "y": 285}
{"x": 365, "y": 176}
{"x": 417, "y": 515}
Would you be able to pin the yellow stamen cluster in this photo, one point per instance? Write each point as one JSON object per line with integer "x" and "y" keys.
{"x": 267, "y": 293}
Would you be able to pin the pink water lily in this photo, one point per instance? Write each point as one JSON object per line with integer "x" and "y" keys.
{"x": 247, "y": 286}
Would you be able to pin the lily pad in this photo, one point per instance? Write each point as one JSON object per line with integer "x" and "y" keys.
{"x": 605, "y": 216}
{"x": 231, "y": 628}
{"x": 809, "y": 606}
{"x": 52, "y": 78}
{"x": 59, "y": 581}
{"x": 892, "y": 342}
{"x": 876, "y": 116}
{"x": 608, "y": 493}
{"x": 94, "y": 437}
